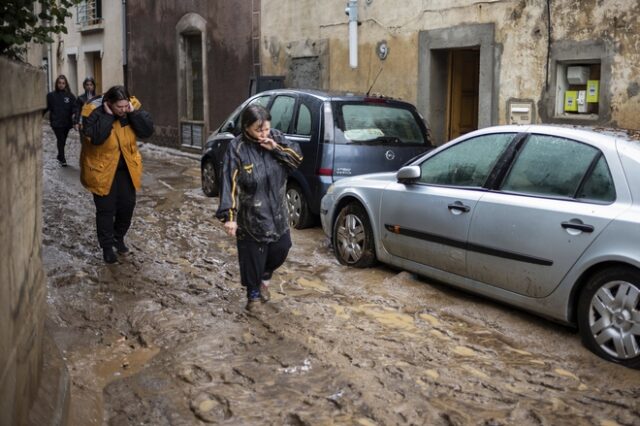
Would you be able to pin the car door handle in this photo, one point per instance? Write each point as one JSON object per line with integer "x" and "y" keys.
{"x": 579, "y": 226}
{"x": 459, "y": 206}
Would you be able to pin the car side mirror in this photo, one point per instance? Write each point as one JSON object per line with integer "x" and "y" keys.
{"x": 408, "y": 174}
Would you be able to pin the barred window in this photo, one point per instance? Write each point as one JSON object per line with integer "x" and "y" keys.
{"x": 89, "y": 12}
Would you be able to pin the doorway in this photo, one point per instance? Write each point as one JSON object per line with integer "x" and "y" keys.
{"x": 94, "y": 69}
{"x": 458, "y": 71}
{"x": 464, "y": 77}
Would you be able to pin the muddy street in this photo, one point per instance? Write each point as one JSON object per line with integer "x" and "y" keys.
{"x": 162, "y": 337}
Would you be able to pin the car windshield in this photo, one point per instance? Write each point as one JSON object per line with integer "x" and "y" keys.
{"x": 379, "y": 123}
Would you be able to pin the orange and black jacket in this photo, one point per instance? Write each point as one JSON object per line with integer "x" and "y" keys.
{"x": 110, "y": 142}
{"x": 253, "y": 186}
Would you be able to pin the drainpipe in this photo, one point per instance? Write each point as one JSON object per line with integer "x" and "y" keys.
{"x": 124, "y": 42}
{"x": 352, "y": 11}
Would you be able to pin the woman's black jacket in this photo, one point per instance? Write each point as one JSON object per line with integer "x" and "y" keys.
{"x": 61, "y": 107}
{"x": 253, "y": 187}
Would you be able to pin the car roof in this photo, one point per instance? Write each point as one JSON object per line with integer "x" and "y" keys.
{"x": 334, "y": 95}
{"x": 570, "y": 131}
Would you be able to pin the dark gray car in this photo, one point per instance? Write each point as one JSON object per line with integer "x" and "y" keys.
{"x": 340, "y": 135}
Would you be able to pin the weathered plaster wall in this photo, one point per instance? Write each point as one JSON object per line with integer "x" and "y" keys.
{"x": 521, "y": 40}
{"x": 22, "y": 285}
{"x": 153, "y": 58}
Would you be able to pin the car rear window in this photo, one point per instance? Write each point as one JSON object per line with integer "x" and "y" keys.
{"x": 380, "y": 123}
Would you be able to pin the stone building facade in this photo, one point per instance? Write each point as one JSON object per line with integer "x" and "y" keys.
{"x": 466, "y": 63}
{"x": 94, "y": 46}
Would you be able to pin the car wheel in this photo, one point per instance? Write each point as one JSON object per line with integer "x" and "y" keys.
{"x": 209, "y": 179}
{"x": 298, "y": 208}
{"x": 609, "y": 315}
{"x": 353, "y": 237}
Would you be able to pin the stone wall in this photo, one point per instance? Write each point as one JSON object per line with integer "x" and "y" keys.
{"x": 22, "y": 280}
{"x": 521, "y": 60}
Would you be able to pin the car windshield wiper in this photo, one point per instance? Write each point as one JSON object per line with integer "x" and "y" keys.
{"x": 380, "y": 140}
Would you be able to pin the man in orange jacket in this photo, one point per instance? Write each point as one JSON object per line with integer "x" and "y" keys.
{"x": 111, "y": 165}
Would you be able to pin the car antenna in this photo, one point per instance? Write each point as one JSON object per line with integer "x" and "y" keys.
{"x": 374, "y": 81}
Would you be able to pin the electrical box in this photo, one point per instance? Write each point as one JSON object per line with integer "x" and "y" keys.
{"x": 571, "y": 101}
{"x": 520, "y": 113}
{"x": 582, "y": 101}
{"x": 577, "y": 75}
{"x": 593, "y": 91}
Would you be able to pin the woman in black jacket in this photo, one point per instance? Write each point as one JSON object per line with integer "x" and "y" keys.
{"x": 61, "y": 107}
{"x": 252, "y": 199}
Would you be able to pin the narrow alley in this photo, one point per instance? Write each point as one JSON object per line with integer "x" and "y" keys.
{"x": 162, "y": 337}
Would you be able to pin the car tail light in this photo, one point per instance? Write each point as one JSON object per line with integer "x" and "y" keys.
{"x": 325, "y": 172}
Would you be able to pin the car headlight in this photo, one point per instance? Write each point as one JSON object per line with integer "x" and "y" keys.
{"x": 330, "y": 189}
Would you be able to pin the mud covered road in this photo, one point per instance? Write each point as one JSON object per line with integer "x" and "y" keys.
{"x": 162, "y": 338}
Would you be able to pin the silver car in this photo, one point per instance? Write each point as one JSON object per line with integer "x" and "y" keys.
{"x": 544, "y": 218}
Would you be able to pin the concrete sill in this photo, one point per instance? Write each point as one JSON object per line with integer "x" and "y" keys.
{"x": 93, "y": 28}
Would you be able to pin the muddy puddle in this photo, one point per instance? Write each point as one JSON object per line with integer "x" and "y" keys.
{"x": 162, "y": 338}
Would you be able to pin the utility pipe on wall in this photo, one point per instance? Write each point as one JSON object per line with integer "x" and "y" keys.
{"x": 352, "y": 11}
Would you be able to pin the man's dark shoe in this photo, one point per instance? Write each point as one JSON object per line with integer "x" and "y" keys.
{"x": 63, "y": 162}
{"x": 108, "y": 255}
{"x": 265, "y": 296}
{"x": 121, "y": 247}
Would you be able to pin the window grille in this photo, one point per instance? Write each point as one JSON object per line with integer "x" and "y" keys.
{"x": 89, "y": 12}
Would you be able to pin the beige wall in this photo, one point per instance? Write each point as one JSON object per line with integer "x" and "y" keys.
{"x": 22, "y": 284}
{"x": 105, "y": 39}
{"x": 294, "y": 28}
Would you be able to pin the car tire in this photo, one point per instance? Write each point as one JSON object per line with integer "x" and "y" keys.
{"x": 353, "y": 237}
{"x": 298, "y": 208}
{"x": 609, "y": 315}
{"x": 209, "y": 179}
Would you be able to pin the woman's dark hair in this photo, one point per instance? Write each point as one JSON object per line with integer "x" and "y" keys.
{"x": 254, "y": 113}
{"x": 89, "y": 80}
{"x": 115, "y": 94}
{"x": 64, "y": 78}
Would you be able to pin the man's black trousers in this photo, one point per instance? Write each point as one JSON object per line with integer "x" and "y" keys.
{"x": 115, "y": 210}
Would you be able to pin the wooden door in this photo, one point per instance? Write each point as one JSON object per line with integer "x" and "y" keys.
{"x": 464, "y": 76}
{"x": 97, "y": 72}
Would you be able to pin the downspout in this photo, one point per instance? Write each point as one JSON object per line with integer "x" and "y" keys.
{"x": 124, "y": 43}
{"x": 352, "y": 11}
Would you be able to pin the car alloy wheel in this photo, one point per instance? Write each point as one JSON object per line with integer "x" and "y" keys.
{"x": 609, "y": 315}
{"x": 299, "y": 215}
{"x": 353, "y": 237}
{"x": 209, "y": 182}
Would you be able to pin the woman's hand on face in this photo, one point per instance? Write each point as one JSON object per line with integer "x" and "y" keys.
{"x": 268, "y": 144}
{"x": 230, "y": 228}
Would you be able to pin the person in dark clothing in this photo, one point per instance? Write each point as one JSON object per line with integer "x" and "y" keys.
{"x": 61, "y": 107}
{"x": 89, "y": 86}
{"x": 252, "y": 200}
{"x": 111, "y": 165}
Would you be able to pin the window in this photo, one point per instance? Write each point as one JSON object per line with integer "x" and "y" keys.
{"x": 543, "y": 168}
{"x": 303, "y": 123}
{"x": 195, "y": 96}
{"x": 282, "y": 113}
{"x": 89, "y": 12}
{"x": 599, "y": 185}
{"x": 366, "y": 122}
{"x": 468, "y": 163}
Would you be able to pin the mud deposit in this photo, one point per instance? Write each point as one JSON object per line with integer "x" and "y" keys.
{"x": 162, "y": 338}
